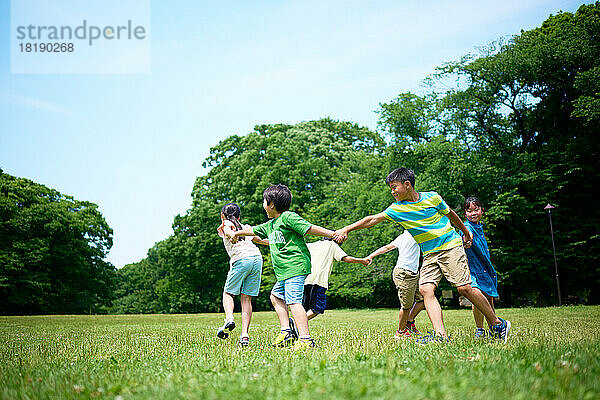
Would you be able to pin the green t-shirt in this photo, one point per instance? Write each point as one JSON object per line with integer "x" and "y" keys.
{"x": 289, "y": 252}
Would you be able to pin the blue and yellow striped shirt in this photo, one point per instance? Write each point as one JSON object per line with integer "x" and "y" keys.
{"x": 426, "y": 221}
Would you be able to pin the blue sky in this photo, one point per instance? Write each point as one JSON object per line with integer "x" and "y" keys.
{"x": 134, "y": 143}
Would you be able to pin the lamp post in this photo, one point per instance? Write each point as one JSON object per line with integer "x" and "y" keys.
{"x": 549, "y": 207}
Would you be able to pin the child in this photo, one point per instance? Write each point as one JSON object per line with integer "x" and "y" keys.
{"x": 291, "y": 261}
{"x": 322, "y": 254}
{"x": 483, "y": 274}
{"x": 245, "y": 267}
{"x": 406, "y": 279}
{"x": 427, "y": 217}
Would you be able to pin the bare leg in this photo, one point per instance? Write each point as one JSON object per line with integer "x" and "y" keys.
{"x": 480, "y": 302}
{"x": 282, "y": 312}
{"x": 434, "y": 311}
{"x": 415, "y": 310}
{"x": 310, "y": 314}
{"x": 299, "y": 315}
{"x": 402, "y": 318}
{"x": 477, "y": 315}
{"x": 490, "y": 300}
{"x": 246, "y": 313}
{"x": 228, "y": 305}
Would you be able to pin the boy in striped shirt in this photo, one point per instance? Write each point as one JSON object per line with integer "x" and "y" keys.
{"x": 428, "y": 219}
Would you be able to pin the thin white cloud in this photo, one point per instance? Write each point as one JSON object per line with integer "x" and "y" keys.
{"x": 25, "y": 101}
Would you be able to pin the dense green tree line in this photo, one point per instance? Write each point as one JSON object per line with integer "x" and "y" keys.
{"x": 516, "y": 125}
{"x": 52, "y": 250}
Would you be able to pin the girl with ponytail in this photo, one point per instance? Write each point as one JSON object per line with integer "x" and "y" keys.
{"x": 245, "y": 268}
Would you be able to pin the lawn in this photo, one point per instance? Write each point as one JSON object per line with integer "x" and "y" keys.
{"x": 552, "y": 353}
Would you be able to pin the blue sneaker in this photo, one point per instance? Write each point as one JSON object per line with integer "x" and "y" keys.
{"x": 479, "y": 334}
{"x": 501, "y": 330}
{"x": 432, "y": 338}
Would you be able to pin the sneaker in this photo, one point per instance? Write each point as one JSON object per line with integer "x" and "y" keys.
{"x": 283, "y": 339}
{"x": 244, "y": 341}
{"x": 479, "y": 334}
{"x": 413, "y": 329}
{"x": 501, "y": 330}
{"x": 294, "y": 329}
{"x": 432, "y": 338}
{"x": 229, "y": 325}
{"x": 221, "y": 334}
{"x": 405, "y": 333}
{"x": 222, "y": 331}
{"x": 304, "y": 344}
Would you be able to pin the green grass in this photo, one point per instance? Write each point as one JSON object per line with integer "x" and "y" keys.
{"x": 552, "y": 353}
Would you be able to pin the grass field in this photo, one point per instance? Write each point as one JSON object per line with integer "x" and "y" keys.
{"x": 552, "y": 353}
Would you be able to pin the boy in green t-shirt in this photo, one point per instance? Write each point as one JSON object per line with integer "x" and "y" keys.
{"x": 291, "y": 261}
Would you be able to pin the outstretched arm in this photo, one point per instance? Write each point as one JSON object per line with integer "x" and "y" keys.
{"x": 319, "y": 231}
{"x": 367, "y": 222}
{"x": 364, "y": 261}
{"x": 233, "y": 235}
{"x": 457, "y": 222}
{"x": 257, "y": 240}
{"x": 381, "y": 250}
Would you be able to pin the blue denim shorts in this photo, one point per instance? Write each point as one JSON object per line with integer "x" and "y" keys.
{"x": 290, "y": 290}
{"x": 244, "y": 276}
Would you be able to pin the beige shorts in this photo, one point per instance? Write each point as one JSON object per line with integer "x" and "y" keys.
{"x": 407, "y": 284}
{"x": 451, "y": 263}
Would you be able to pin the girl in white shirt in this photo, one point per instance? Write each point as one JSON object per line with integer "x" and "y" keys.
{"x": 245, "y": 268}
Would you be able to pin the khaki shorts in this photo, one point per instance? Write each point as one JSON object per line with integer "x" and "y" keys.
{"x": 451, "y": 263}
{"x": 407, "y": 284}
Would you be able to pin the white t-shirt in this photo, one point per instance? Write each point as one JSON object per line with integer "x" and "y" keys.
{"x": 241, "y": 249}
{"x": 322, "y": 254}
{"x": 408, "y": 252}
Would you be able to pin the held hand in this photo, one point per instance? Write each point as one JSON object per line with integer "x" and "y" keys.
{"x": 340, "y": 236}
{"x": 467, "y": 241}
{"x": 367, "y": 261}
{"x": 233, "y": 238}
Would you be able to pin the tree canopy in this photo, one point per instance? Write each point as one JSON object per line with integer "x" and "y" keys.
{"x": 516, "y": 125}
{"x": 52, "y": 250}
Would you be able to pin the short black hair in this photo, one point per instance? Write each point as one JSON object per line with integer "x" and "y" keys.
{"x": 401, "y": 175}
{"x": 473, "y": 200}
{"x": 279, "y": 195}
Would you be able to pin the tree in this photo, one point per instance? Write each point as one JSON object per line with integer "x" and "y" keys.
{"x": 525, "y": 117}
{"x": 519, "y": 130}
{"x": 135, "y": 291}
{"x": 52, "y": 250}
{"x": 313, "y": 158}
